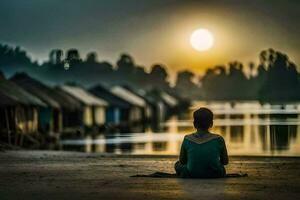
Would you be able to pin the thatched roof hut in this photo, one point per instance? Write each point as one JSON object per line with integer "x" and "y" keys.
{"x": 18, "y": 109}
{"x": 50, "y": 120}
{"x": 66, "y": 101}
{"x": 104, "y": 93}
{"x": 12, "y": 91}
{"x": 38, "y": 89}
{"x": 94, "y": 108}
{"x": 84, "y": 96}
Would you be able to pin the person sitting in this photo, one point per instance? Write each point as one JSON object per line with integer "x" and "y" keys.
{"x": 203, "y": 154}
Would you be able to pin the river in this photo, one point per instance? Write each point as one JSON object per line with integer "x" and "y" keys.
{"x": 249, "y": 128}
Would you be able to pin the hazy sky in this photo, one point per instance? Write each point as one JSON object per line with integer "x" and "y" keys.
{"x": 153, "y": 31}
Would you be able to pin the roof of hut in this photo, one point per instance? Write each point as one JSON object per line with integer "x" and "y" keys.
{"x": 107, "y": 95}
{"x": 6, "y": 101}
{"x": 170, "y": 100}
{"x": 36, "y": 88}
{"x": 84, "y": 96}
{"x": 142, "y": 94}
{"x": 16, "y": 93}
{"x": 66, "y": 100}
{"x": 128, "y": 96}
{"x": 166, "y": 98}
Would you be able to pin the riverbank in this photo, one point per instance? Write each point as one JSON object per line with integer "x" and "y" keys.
{"x": 71, "y": 175}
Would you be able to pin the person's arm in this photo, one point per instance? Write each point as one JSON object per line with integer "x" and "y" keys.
{"x": 182, "y": 155}
{"x": 224, "y": 155}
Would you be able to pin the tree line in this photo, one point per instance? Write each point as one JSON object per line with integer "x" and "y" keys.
{"x": 275, "y": 78}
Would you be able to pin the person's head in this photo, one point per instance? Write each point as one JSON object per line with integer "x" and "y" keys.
{"x": 203, "y": 119}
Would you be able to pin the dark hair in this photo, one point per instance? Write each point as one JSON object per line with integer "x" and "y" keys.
{"x": 203, "y": 118}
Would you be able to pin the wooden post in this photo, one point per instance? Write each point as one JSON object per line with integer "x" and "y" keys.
{"x": 94, "y": 115}
{"x": 21, "y": 140}
{"x": 7, "y": 126}
{"x": 16, "y": 126}
{"x": 16, "y": 138}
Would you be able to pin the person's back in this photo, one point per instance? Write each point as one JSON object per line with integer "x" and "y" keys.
{"x": 203, "y": 154}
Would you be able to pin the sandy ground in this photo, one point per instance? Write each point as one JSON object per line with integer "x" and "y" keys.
{"x": 67, "y": 175}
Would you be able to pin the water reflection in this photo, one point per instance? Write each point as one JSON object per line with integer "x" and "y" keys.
{"x": 246, "y": 132}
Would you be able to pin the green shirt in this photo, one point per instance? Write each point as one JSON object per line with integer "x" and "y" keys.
{"x": 204, "y": 154}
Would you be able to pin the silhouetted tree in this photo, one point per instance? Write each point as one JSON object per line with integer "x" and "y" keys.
{"x": 73, "y": 57}
{"x": 158, "y": 77}
{"x": 13, "y": 60}
{"x": 251, "y": 69}
{"x": 217, "y": 84}
{"x": 281, "y": 82}
{"x": 276, "y": 80}
{"x": 56, "y": 56}
{"x": 125, "y": 64}
{"x": 91, "y": 57}
{"x": 184, "y": 81}
{"x": 140, "y": 77}
{"x": 276, "y": 77}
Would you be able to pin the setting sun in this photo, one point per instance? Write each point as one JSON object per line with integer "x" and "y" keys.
{"x": 202, "y": 40}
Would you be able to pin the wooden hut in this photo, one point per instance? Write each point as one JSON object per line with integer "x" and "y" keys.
{"x": 170, "y": 101}
{"x": 93, "y": 107}
{"x": 149, "y": 102}
{"x": 118, "y": 109}
{"x": 18, "y": 110}
{"x": 138, "y": 104}
{"x": 166, "y": 105}
{"x": 71, "y": 111}
{"x": 50, "y": 117}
